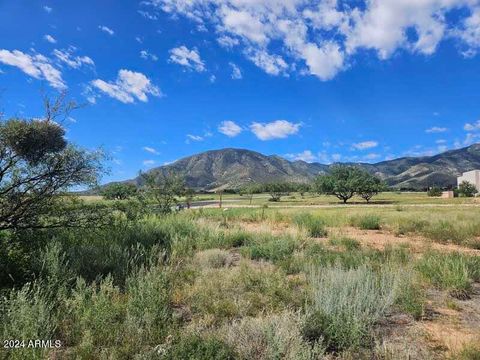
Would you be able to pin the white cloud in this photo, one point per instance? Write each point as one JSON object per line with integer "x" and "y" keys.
{"x": 365, "y": 145}
{"x": 371, "y": 156}
{"x": 147, "y": 15}
{"x": 229, "y": 128}
{"x": 278, "y": 129}
{"x": 194, "y": 137}
{"x": 144, "y": 54}
{"x": 236, "y": 72}
{"x": 36, "y": 66}
{"x": 436, "y": 130}
{"x": 305, "y": 155}
{"x": 106, "y": 29}
{"x": 227, "y": 41}
{"x": 48, "y": 9}
{"x": 188, "y": 58}
{"x": 66, "y": 56}
{"x": 320, "y": 38}
{"x": 128, "y": 86}
{"x": 150, "y": 150}
{"x": 50, "y": 39}
{"x": 271, "y": 64}
{"x": 472, "y": 126}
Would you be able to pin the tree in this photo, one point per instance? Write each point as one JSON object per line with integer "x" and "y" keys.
{"x": 37, "y": 164}
{"x": 369, "y": 186}
{"x": 467, "y": 189}
{"x": 303, "y": 188}
{"x": 162, "y": 188}
{"x": 342, "y": 181}
{"x": 119, "y": 191}
{"x": 434, "y": 191}
{"x": 250, "y": 190}
{"x": 189, "y": 195}
{"x": 277, "y": 190}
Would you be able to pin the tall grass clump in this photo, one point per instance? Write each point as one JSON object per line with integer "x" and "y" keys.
{"x": 447, "y": 232}
{"x": 272, "y": 248}
{"x": 275, "y": 336}
{"x": 345, "y": 304}
{"x": 451, "y": 271}
{"x": 314, "y": 225}
{"x": 366, "y": 222}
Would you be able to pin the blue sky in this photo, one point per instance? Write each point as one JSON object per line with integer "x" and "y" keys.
{"x": 314, "y": 80}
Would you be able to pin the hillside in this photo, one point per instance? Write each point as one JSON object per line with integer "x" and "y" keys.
{"x": 230, "y": 168}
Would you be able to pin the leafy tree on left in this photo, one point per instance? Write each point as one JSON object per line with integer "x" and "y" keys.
{"x": 37, "y": 166}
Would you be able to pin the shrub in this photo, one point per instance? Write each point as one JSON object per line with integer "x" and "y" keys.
{"x": 348, "y": 243}
{"x": 212, "y": 258}
{"x": 345, "y": 304}
{"x": 434, "y": 191}
{"x": 314, "y": 225}
{"x": 195, "y": 347}
{"x": 366, "y": 222}
{"x": 275, "y": 336}
{"x": 225, "y": 294}
{"x": 148, "y": 310}
{"x": 27, "y": 314}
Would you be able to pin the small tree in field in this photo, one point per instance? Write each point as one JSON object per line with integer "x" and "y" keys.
{"x": 467, "y": 189}
{"x": 119, "y": 191}
{"x": 277, "y": 190}
{"x": 342, "y": 181}
{"x": 37, "y": 165}
{"x": 250, "y": 190}
{"x": 434, "y": 191}
{"x": 303, "y": 188}
{"x": 369, "y": 186}
{"x": 163, "y": 189}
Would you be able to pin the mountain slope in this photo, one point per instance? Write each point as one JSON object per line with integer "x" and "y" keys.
{"x": 231, "y": 168}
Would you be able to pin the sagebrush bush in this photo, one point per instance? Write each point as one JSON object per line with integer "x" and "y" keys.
{"x": 148, "y": 308}
{"x": 314, "y": 225}
{"x": 27, "y": 314}
{"x": 211, "y": 258}
{"x": 345, "y": 304}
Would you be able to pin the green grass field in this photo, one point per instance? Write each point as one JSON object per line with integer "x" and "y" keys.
{"x": 276, "y": 282}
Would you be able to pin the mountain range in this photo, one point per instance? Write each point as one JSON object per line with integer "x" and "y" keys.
{"x": 231, "y": 168}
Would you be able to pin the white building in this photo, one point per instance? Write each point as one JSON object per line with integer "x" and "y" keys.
{"x": 472, "y": 177}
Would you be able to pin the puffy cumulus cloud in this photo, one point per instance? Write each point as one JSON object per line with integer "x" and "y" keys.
{"x": 320, "y": 37}
{"x": 188, "y": 58}
{"x": 436, "y": 130}
{"x": 128, "y": 86}
{"x": 229, "y": 128}
{"x": 278, "y": 129}
{"x": 67, "y": 57}
{"x": 35, "y": 65}
{"x": 305, "y": 155}
{"x": 365, "y": 145}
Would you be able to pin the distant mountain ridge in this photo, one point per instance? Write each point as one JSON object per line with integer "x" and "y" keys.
{"x": 232, "y": 168}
